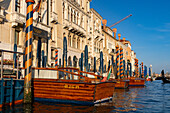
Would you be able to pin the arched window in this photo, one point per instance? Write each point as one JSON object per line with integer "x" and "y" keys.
{"x": 75, "y": 61}
{"x": 78, "y": 43}
{"x": 69, "y": 61}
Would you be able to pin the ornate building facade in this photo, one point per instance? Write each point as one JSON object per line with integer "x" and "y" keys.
{"x": 57, "y": 19}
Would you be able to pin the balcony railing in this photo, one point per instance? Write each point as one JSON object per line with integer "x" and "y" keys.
{"x": 54, "y": 17}
{"x": 74, "y": 27}
{"x": 75, "y": 3}
{"x": 17, "y": 18}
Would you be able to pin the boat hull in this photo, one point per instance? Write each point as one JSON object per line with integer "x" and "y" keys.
{"x": 165, "y": 80}
{"x": 72, "y": 91}
{"x": 121, "y": 84}
{"x": 136, "y": 82}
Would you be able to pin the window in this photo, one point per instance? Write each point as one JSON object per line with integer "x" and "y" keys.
{"x": 74, "y": 42}
{"x": 83, "y": 44}
{"x": 17, "y": 6}
{"x": 77, "y": 18}
{"x": 78, "y": 43}
{"x": 71, "y": 15}
{"x": 52, "y": 54}
{"x": 51, "y": 5}
{"x": 74, "y": 17}
{"x": 68, "y": 14}
{"x": 16, "y": 40}
{"x": 69, "y": 41}
{"x": 81, "y": 2}
{"x": 63, "y": 10}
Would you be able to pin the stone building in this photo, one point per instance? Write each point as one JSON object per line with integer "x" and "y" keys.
{"x": 57, "y": 19}
{"x": 95, "y": 40}
{"x": 73, "y": 23}
{"x": 12, "y": 29}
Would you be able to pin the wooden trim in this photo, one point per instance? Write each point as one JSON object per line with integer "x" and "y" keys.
{"x": 94, "y": 94}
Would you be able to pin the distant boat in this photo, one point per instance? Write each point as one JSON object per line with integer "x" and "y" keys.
{"x": 164, "y": 79}
{"x": 158, "y": 78}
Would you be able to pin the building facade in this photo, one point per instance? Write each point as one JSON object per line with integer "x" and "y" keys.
{"x": 56, "y": 19}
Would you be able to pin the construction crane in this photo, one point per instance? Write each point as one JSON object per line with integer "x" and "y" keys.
{"x": 120, "y": 20}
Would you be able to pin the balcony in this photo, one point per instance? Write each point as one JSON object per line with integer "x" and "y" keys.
{"x": 98, "y": 35}
{"x": 73, "y": 27}
{"x": 17, "y": 18}
{"x": 75, "y": 3}
{"x": 2, "y": 16}
{"x": 54, "y": 17}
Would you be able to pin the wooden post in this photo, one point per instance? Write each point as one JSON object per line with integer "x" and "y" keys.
{"x": 117, "y": 61}
{"x": 121, "y": 62}
{"x": 56, "y": 58}
{"x": 28, "y": 52}
{"x": 17, "y": 65}
{"x": 142, "y": 71}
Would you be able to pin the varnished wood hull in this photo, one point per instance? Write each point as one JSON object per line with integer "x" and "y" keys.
{"x": 122, "y": 84}
{"x": 136, "y": 82}
{"x": 72, "y": 91}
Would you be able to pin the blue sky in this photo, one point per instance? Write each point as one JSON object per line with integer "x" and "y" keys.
{"x": 148, "y": 29}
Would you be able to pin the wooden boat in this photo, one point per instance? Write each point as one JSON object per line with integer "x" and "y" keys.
{"x": 84, "y": 90}
{"x": 133, "y": 81}
{"x": 120, "y": 83}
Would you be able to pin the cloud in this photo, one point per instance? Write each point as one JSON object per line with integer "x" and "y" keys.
{"x": 164, "y": 28}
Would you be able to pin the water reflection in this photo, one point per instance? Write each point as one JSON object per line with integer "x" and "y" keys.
{"x": 155, "y": 97}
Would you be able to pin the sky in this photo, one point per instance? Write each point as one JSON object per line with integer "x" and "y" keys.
{"x": 148, "y": 29}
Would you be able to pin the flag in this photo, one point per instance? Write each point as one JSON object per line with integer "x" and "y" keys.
{"x": 37, "y": 8}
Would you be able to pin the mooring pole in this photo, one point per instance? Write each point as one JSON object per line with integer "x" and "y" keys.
{"x": 56, "y": 58}
{"x": 28, "y": 52}
{"x": 142, "y": 71}
{"x": 121, "y": 62}
{"x": 117, "y": 61}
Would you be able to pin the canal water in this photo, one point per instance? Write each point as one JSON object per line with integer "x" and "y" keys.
{"x": 154, "y": 97}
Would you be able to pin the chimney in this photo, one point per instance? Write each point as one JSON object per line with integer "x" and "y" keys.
{"x": 114, "y": 31}
{"x": 104, "y": 22}
{"x": 119, "y": 35}
{"x": 123, "y": 38}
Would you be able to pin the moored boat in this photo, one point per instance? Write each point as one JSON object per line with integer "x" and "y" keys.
{"x": 164, "y": 79}
{"x": 121, "y": 84}
{"x": 83, "y": 90}
{"x": 136, "y": 81}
